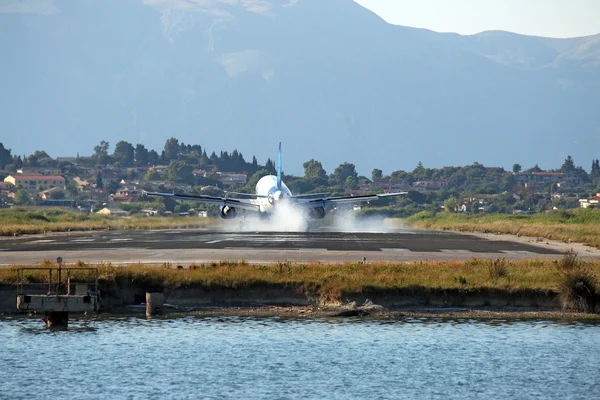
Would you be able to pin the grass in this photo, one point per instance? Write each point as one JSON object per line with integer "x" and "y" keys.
{"x": 15, "y": 222}
{"x": 334, "y": 281}
{"x": 578, "y": 225}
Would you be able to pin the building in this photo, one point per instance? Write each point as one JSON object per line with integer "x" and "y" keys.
{"x": 591, "y": 202}
{"x": 47, "y": 194}
{"x": 429, "y": 185}
{"x": 545, "y": 177}
{"x": 32, "y": 182}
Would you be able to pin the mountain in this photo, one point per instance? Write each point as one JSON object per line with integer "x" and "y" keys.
{"x": 330, "y": 79}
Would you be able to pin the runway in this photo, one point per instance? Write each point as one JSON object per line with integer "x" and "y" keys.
{"x": 201, "y": 246}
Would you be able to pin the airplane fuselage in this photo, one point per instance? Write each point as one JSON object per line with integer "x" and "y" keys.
{"x": 267, "y": 186}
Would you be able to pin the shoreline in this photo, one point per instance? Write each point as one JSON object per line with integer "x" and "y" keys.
{"x": 294, "y": 312}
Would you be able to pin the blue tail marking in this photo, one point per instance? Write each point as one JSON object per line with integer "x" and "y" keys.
{"x": 279, "y": 168}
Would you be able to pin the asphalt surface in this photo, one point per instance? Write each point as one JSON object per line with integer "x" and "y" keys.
{"x": 187, "y": 246}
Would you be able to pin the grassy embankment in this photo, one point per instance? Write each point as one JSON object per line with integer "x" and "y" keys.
{"x": 21, "y": 222}
{"x": 579, "y": 225}
{"x": 333, "y": 282}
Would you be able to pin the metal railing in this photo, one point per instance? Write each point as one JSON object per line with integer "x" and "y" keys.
{"x": 55, "y": 283}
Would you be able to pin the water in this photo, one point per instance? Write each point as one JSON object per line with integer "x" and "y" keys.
{"x": 189, "y": 358}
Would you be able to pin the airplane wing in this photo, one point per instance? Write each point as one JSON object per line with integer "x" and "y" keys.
{"x": 325, "y": 201}
{"x": 246, "y": 204}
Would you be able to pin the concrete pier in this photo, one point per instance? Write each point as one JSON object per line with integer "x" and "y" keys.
{"x": 154, "y": 304}
{"x": 57, "y": 300}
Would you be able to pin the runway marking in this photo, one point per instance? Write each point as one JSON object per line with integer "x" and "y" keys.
{"x": 456, "y": 251}
{"x": 214, "y": 241}
{"x": 517, "y": 252}
{"x": 83, "y": 240}
{"x": 394, "y": 250}
{"x": 121, "y": 240}
{"x": 42, "y": 241}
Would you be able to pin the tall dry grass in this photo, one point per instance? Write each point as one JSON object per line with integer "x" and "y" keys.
{"x": 333, "y": 281}
{"x": 580, "y": 226}
{"x": 578, "y": 285}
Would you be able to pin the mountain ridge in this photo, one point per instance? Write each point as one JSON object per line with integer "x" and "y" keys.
{"x": 335, "y": 83}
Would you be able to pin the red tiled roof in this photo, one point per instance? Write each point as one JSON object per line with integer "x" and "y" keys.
{"x": 37, "y": 177}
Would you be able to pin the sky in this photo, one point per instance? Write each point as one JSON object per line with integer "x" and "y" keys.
{"x": 551, "y": 18}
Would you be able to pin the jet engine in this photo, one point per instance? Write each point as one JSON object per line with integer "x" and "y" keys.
{"x": 227, "y": 212}
{"x": 317, "y": 213}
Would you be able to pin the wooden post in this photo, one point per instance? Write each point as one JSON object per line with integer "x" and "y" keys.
{"x": 154, "y": 304}
{"x": 56, "y": 319}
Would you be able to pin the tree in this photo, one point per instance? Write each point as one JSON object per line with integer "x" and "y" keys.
{"x": 141, "y": 155}
{"x": 101, "y": 148}
{"x": 314, "y": 170}
{"x": 172, "y": 149}
{"x": 153, "y": 158}
{"x": 516, "y": 168}
{"x": 450, "y": 204}
{"x": 376, "y": 174}
{"x": 99, "y": 181}
{"x": 180, "y": 171}
{"x": 22, "y": 197}
{"x": 595, "y": 173}
{"x": 343, "y": 171}
{"x": 270, "y": 166}
{"x": 57, "y": 195}
{"x": 5, "y": 157}
{"x": 111, "y": 186}
{"x": 124, "y": 153}
{"x": 568, "y": 166}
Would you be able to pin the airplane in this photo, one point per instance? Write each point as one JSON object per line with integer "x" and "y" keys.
{"x": 272, "y": 192}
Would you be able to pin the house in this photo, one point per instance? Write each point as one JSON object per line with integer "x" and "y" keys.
{"x": 546, "y": 177}
{"x": 536, "y": 186}
{"x": 591, "y": 202}
{"x": 32, "y": 182}
{"x": 83, "y": 185}
{"x": 47, "y": 194}
{"x": 39, "y": 171}
{"x": 429, "y": 185}
{"x": 125, "y": 194}
{"x": 232, "y": 179}
{"x": 390, "y": 185}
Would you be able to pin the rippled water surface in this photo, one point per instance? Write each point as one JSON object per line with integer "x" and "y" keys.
{"x": 276, "y": 358}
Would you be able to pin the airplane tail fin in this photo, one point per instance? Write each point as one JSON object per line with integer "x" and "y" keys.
{"x": 279, "y": 168}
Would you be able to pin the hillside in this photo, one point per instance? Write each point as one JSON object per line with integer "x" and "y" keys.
{"x": 332, "y": 80}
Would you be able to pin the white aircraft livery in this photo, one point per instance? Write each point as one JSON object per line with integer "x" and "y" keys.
{"x": 271, "y": 192}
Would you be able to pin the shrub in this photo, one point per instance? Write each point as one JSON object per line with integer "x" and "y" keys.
{"x": 498, "y": 269}
{"x": 578, "y": 289}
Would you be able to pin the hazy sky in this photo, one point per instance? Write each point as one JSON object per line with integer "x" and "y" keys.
{"x": 553, "y": 18}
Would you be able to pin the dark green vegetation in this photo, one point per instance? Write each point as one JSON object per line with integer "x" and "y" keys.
{"x": 189, "y": 168}
{"x": 569, "y": 278}
{"x": 579, "y": 225}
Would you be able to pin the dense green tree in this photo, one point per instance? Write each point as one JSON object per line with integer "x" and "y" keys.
{"x": 450, "y": 204}
{"x": 22, "y": 198}
{"x": 111, "y": 186}
{"x": 124, "y": 153}
{"x": 180, "y": 171}
{"x": 343, "y": 171}
{"x": 141, "y": 155}
{"x": 153, "y": 158}
{"x": 99, "y": 181}
{"x": 568, "y": 166}
{"x": 152, "y": 175}
{"x": 516, "y": 168}
{"x": 101, "y": 148}
{"x": 376, "y": 174}
{"x": 5, "y": 156}
{"x": 172, "y": 149}
{"x": 595, "y": 173}
{"x": 270, "y": 166}
{"x": 313, "y": 169}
